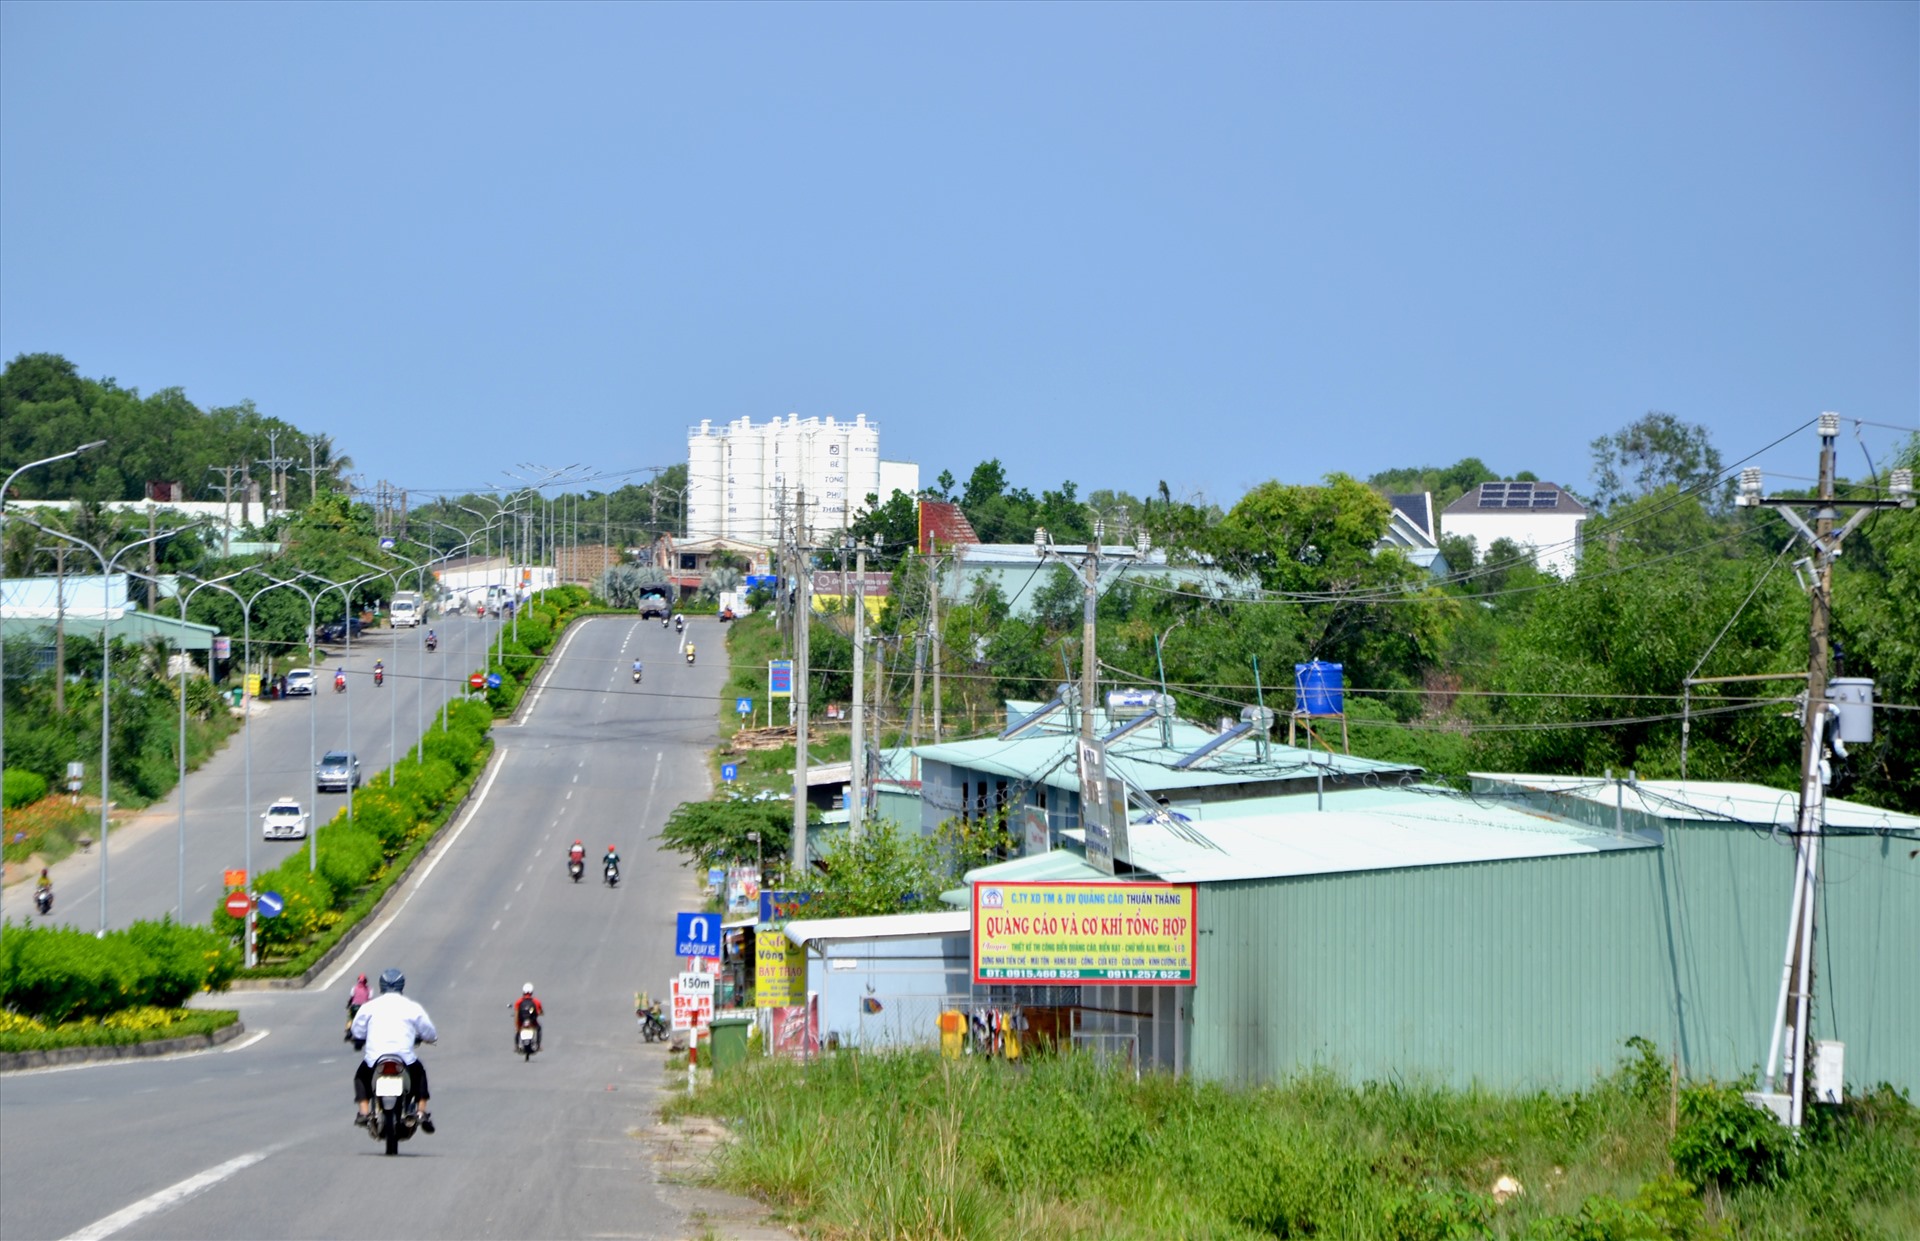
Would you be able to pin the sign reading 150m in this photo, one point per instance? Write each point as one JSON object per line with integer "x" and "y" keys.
{"x": 1132, "y": 934}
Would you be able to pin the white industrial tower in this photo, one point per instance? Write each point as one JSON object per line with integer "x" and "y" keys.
{"x": 743, "y": 478}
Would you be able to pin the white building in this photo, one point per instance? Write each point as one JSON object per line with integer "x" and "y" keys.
{"x": 1539, "y": 516}
{"x": 745, "y": 481}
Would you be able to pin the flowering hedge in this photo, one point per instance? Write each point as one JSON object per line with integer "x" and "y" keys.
{"x": 59, "y": 974}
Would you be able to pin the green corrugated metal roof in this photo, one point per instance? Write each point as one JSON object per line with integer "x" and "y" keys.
{"x": 1051, "y": 757}
{"x": 1705, "y": 800}
{"x": 1435, "y": 830}
{"x": 1057, "y": 866}
{"x": 126, "y": 627}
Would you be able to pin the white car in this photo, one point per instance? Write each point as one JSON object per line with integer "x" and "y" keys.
{"x": 284, "y": 820}
{"x": 300, "y": 683}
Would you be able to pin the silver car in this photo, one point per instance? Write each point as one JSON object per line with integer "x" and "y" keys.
{"x": 337, "y": 772}
{"x": 300, "y": 683}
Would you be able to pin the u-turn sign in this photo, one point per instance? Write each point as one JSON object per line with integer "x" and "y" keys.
{"x": 696, "y": 935}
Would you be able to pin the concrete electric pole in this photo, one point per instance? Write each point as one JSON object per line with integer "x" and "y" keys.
{"x": 1789, "y": 1048}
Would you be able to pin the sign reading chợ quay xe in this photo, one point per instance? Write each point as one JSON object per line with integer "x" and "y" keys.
{"x": 1088, "y": 933}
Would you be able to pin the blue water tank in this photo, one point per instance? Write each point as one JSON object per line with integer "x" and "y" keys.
{"x": 1317, "y": 688}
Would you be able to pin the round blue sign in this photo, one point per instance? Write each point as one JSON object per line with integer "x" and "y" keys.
{"x": 493, "y": 680}
{"x": 270, "y": 904}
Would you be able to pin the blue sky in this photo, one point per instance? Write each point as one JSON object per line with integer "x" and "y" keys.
{"x": 1204, "y": 244}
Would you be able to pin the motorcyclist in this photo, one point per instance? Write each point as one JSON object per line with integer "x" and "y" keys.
{"x": 679, "y": 623}
{"x": 391, "y": 1025}
{"x": 689, "y": 652}
{"x": 339, "y": 678}
{"x": 527, "y": 1007}
{"x": 356, "y": 1000}
{"x": 612, "y": 859}
{"x": 637, "y": 669}
{"x": 578, "y": 853}
{"x": 432, "y": 641}
{"x": 379, "y": 671}
{"x": 43, "y": 890}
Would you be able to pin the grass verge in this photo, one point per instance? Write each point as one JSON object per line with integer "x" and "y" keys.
{"x": 1057, "y": 1147}
{"x": 129, "y": 1025}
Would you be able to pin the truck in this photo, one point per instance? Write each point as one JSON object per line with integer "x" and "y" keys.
{"x": 407, "y": 609}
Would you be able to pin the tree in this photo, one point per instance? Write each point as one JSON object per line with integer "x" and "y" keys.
{"x": 1656, "y": 451}
{"x": 1447, "y": 483}
{"x": 891, "y": 529}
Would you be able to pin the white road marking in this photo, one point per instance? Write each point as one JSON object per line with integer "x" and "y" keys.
{"x": 496, "y": 926}
{"x": 546, "y": 673}
{"x": 522, "y": 883}
{"x": 172, "y": 1195}
{"x": 570, "y": 792}
{"x": 576, "y": 777}
{"x": 473, "y": 812}
{"x": 246, "y": 1042}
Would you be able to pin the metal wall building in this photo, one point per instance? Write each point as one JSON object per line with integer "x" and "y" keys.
{"x": 744, "y": 479}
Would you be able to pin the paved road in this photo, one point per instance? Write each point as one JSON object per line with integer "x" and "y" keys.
{"x": 523, "y": 1149}
{"x": 223, "y": 824}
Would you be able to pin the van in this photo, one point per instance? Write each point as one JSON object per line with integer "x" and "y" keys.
{"x": 407, "y": 610}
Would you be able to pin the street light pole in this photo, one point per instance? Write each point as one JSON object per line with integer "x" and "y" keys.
{"x": 217, "y": 583}
{"x": 106, "y": 681}
{"x": 4, "y": 489}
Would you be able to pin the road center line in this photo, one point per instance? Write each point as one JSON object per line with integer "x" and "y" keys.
{"x": 172, "y": 1195}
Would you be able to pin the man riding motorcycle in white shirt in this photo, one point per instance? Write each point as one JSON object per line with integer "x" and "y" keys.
{"x": 390, "y": 1025}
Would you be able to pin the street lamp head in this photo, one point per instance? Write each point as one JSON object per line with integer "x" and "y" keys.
{"x": 90, "y": 447}
{"x": 1040, "y": 542}
{"x": 1750, "y": 487}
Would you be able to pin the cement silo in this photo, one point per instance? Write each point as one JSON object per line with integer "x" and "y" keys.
{"x": 706, "y": 481}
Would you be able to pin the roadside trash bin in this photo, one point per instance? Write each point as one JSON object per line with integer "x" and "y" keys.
{"x": 729, "y": 1041}
{"x": 236, "y": 694}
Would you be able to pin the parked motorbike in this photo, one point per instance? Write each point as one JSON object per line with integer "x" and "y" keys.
{"x": 43, "y": 900}
{"x": 527, "y": 1039}
{"x": 396, "y": 1112}
{"x": 613, "y": 874}
{"x": 653, "y": 1026}
{"x": 576, "y": 868}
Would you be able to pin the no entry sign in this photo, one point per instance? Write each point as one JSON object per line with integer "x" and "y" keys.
{"x": 238, "y": 903}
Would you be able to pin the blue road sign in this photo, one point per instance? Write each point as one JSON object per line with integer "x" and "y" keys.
{"x": 493, "y": 680}
{"x": 716, "y": 876}
{"x": 729, "y": 772}
{"x": 696, "y": 935}
{"x": 386, "y": 544}
{"x": 743, "y": 706}
{"x": 270, "y": 904}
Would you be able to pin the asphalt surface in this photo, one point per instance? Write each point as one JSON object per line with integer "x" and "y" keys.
{"x": 144, "y": 854}
{"x": 254, "y": 1140}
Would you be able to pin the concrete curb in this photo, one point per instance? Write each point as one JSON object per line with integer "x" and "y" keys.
{"x": 14, "y": 1061}
{"x": 327, "y": 958}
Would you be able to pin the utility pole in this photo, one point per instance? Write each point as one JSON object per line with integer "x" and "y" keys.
{"x": 933, "y": 627}
{"x": 313, "y": 468}
{"x": 856, "y": 804}
{"x": 226, "y": 505}
{"x": 1088, "y": 673}
{"x": 802, "y": 672}
{"x": 1791, "y": 1044}
{"x": 277, "y": 464}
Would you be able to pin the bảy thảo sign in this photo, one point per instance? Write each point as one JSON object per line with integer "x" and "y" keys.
{"x": 1134, "y": 934}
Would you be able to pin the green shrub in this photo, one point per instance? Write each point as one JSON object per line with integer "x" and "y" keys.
{"x": 132, "y": 1025}
{"x": 348, "y": 856}
{"x": 1724, "y": 1140}
{"x": 59, "y": 974}
{"x": 17, "y": 787}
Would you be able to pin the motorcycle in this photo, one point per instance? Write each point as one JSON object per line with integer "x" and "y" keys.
{"x": 433, "y": 644}
{"x": 653, "y": 1027}
{"x": 340, "y": 684}
{"x": 43, "y": 901}
{"x": 689, "y": 656}
{"x": 576, "y": 868}
{"x": 636, "y": 676}
{"x": 527, "y": 1040}
{"x": 379, "y": 677}
{"x": 613, "y": 874}
{"x": 679, "y": 626}
{"x": 396, "y": 1112}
